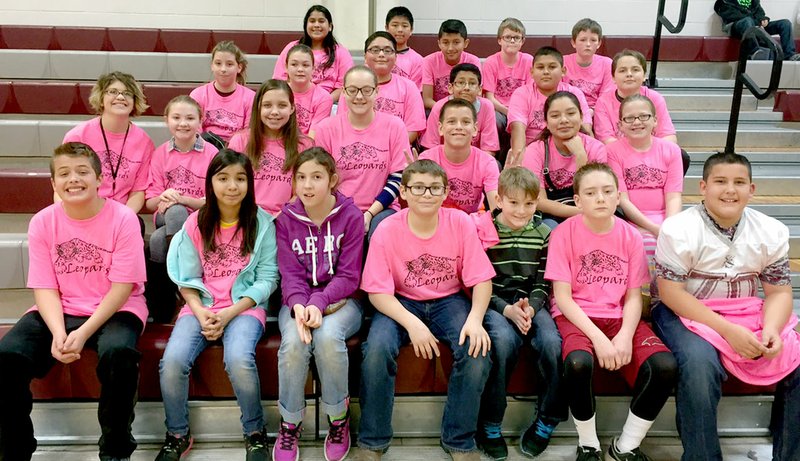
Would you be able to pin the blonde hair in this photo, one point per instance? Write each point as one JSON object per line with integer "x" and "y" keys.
{"x": 106, "y": 80}
{"x": 518, "y": 179}
{"x": 227, "y": 46}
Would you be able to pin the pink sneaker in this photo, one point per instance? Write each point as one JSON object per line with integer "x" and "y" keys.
{"x": 337, "y": 442}
{"x": 285, "y": 448}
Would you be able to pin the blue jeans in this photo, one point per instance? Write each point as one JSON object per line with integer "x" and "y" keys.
{"x": 376, "y": 221}
{"x": 445, "y": 317}
{"x": 185, "y": 345}
{"x": 782, "y": 27}
{"x": 506, "y": 341}
{"x": 330, "y": 356}
{"x": 700, "y": 376}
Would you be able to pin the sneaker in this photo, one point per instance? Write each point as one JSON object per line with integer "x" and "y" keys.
{"x": 589, "y": 454}
{"x": 794, "y": 57}
{"x": 256, "y": 446}
{"x": 175, "y": 448}
{"x": 337, "y": 442}
{"x": 494, "y": 447}
{"x": 535, "y": 440}
{"x": 634, "y": 455}
{"x": 285, "y": 448}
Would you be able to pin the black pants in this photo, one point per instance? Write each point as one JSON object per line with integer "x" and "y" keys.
{"x": 654, "y": 383}
{"x": 25, "y": 354}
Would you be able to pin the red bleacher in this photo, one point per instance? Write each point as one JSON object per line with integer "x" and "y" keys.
{"x": 673, "y": 48}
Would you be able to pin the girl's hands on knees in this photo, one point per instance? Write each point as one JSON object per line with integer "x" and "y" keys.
{"x": 624, "y": 346}
{"x": 425, "y": 344}
{"x": 313, "y": 316}
{"x": 171, "y": 195}
{"x": 606, "y": 353}
{"x": 771, "y": 340}
{"x": 300, "y": 322}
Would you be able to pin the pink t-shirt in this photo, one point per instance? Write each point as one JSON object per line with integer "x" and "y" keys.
{"x": 562, "y": 168}
{"x": 81, "y": 258}
{"x": 328, "y": 79}
{"x": 600, "y": 268}
{"x": 312, "y": 107}
{"x": 606, "y": 115}
{"x": 224, "y": 115}
{"x": 467, "y": 180}
{"x": 401, "y": 98}
{"x": 502, "y": 80}
{"x": 436, "y": 72}
{"x": 527, "y": 107}
{"x": 273, "y": 186}
{"x": 593, "y": 80}
{"x": 364, "y": 158}
{"x": 647, "y": 176}
{"x": 409, "y": 65}
{"x": 486, "y": 139}
{"x": 425, "y": 269}
{"x": 182, "y": 171}
{"x": 220, "y": 267}
{"x": 125, "y": 160}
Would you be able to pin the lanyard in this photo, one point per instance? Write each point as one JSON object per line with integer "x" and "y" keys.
{"x": 114, "y": 169}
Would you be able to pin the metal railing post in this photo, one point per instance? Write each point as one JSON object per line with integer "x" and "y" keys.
{"x": 743, "y": 80}
{"x": 661, "y": 20}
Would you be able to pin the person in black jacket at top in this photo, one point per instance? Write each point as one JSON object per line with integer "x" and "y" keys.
{"x": 739, "y": 15}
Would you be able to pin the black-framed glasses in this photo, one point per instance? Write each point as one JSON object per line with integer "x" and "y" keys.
{"x": 376, "y": 50}
{"x": 419, "y": 190}
{"x": 641, "y": 117}
{"x": 113, "y": 92}
{"x": 352, "y": 91}
{"x": 512, "y": 38}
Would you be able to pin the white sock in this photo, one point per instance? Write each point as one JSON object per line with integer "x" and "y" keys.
{"x": 587, "y": 433}
{"x": 633, "y": 432}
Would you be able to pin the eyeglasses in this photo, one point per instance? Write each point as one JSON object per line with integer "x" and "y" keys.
{"x": 461, "y": 85}
{"x": 376, "y": 50}
{"x": 512, "y": 38}
{"x": 352, "y": 91}
{"x": 632, "y": 118}
{"x": 418, "y": 190}
{"x": 113, "y": 92}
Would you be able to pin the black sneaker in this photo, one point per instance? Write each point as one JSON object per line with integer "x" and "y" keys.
{"x": 634, "y": 455}
{"x": 256, "y": 446}
{"x": 175, "y": 448}
{"x": 495, "y": 447}
{"x": 535, "y": 440}
{"x": 589, "y": 454}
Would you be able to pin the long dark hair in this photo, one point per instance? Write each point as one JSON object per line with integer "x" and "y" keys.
{"x": 208, "y": 217}
{"x": 329, "y": 42}
{"x": 290, "y": 134}
{"x": 546, "y": 134}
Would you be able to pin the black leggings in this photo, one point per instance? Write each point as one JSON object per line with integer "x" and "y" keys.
{"x": 654, "y": 383}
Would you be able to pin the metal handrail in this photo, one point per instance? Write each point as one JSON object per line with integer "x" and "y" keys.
{"x": 662, "y": 20}
{"x": 743, "y": 80}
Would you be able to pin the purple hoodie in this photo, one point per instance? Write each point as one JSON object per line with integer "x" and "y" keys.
{"x": 320, "y": 265}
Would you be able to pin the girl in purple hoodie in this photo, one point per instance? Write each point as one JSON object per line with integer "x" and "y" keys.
{"x": 320, "y": 241}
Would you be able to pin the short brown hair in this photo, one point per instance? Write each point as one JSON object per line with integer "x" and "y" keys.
{"x": 518, "y": 179}
{"x": 76, "y": 149}
{"x": 423, "y": 166}
{"x": 587, "y": 24}
{"x": 591, "y": 167}
{"x": 106, "y": 80}
{"x": 632, "y": 53}
{"x": 183, "y": 99}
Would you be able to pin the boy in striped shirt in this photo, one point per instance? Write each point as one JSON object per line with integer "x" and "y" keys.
{"x": 516, "y": 243}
